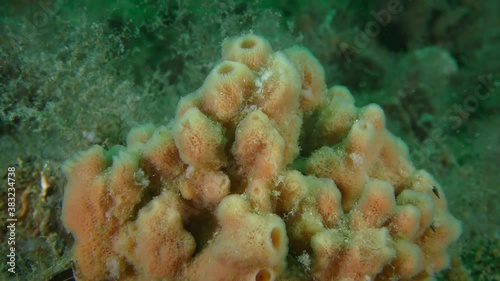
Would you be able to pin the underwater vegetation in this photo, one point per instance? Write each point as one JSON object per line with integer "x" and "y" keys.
{"x": 78, "y": 74}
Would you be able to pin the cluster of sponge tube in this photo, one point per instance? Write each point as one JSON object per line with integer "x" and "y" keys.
{"x": 265, "y": 174}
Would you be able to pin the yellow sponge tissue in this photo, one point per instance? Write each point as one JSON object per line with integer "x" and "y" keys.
{"x": 264, "y": 175}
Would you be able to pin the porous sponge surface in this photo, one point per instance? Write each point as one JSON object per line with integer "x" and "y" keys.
{"x": 265, "y": 174}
